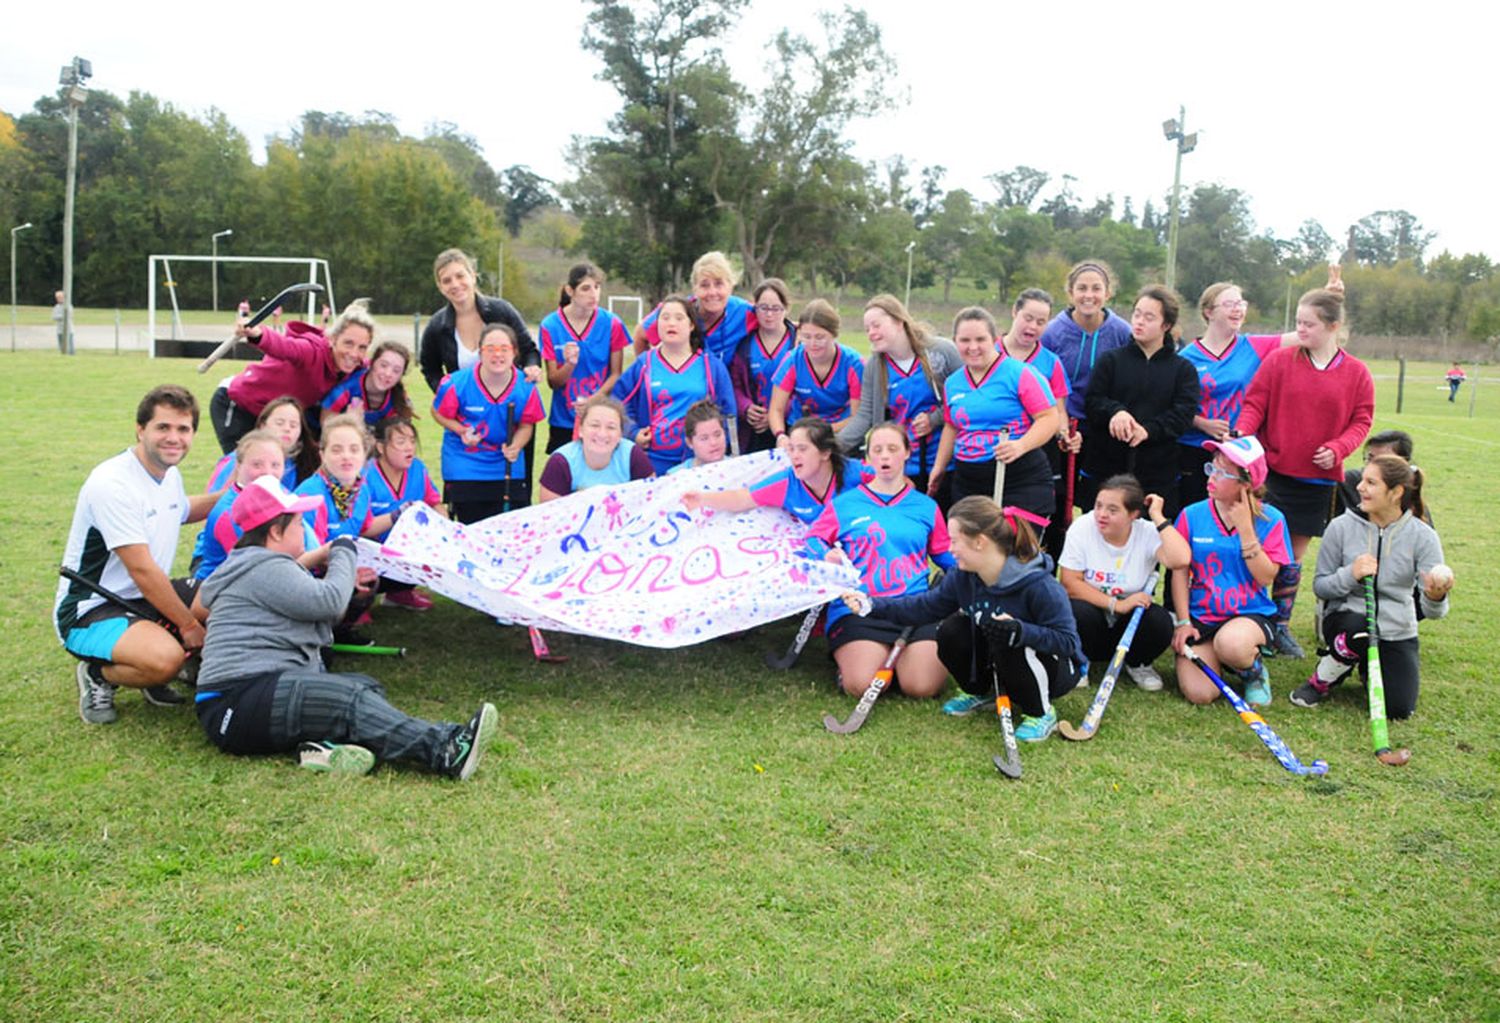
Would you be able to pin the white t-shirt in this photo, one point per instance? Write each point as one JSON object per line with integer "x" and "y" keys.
{"x": 1117, "y": 571}
{"x": 120, "y": 504}
{"x": 466, "y": 356}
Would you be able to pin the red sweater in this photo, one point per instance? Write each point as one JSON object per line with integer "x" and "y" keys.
{"x": 299, "y": 363}
{"x": 1295, "y": 408}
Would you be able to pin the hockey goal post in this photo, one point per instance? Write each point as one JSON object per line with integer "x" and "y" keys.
{"x": 176, "y": 343}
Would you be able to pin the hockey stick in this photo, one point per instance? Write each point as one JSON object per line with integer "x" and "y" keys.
{"x": 135, "y": 607}
{"x": 368, "y": 651}
{"x": 260, "y": 314}
{"x": 1072, "y": 471}
{"x": 1257, "y": 724}
{"x": 1090, "y": 723}
{"x": 1000, "y": 472}
{"x": 781, "y": 662}
{"x": 540, "y": 650}
{"x": 1379, "y": 732}
{"x": 877, "y": 686}
{"x": 1010, "y": 764}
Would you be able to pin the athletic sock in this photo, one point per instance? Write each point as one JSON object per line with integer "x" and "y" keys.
{"x": 1284, "y": 591}
{"x": 1331, "y": 671}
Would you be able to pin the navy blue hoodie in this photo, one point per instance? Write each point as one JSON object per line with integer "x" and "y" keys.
{"x": 1079, "y": 351}
{"x": 1025, "y": 591}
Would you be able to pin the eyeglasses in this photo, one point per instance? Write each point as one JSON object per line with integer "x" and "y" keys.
{"x": 1237, "y": 304}
{"x": 1214, "y": 472}
{"x": 770, "y": 309}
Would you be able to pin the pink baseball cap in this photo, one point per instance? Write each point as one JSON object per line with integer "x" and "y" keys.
{"x": 263, "y": 499}
{"x": 1246, "y": 453}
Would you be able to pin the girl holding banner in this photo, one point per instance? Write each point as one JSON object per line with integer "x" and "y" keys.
{"x": 819, "y": 473}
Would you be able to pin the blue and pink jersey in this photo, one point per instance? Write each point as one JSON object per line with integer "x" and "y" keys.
{"x": 1221, "y": 586}
{"x": 721, "y": 337}
{"x": 1048, "y": 365}
{"x": 908, "y": 394}
{"x": 387, "y": 494}
{"x": 223, "y": 475}
{"x": 832, "y": 396}
{"x": 326, "y": 521}
{"x": 463, "y": 396}
{"x": 888, "y": 539}
{"x": 785, "y": 491}
{"x": 604, "y": 335}
{"x": 1224, "y": 379}
{"x": 353, "y": 386}
{"x": 761, "y": 364}
{"x": 658, "y": 394}
{"x": 220, "y": 534}
{"x": 1005, "y": 401}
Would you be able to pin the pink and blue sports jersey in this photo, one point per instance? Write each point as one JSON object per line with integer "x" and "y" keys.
{"x": 784, "y": 490}
{"x": 721, "y": 337}
{"x": 658, "y": 394}
{"x": 220, "y": 534}
{"x": 888, "y": 539}
{"x": 1223, "y": 380}
{"x": 604, "y": 335}
{"x": 1221, "y": 586}
{"x": 829, "y": 397}
{"x": 463, "y": 396}
{"x": 1048, "y": 365}
{"x": 223, "y": 475}
{"x": 325, "y": 520}
{"x": 1006, "y": 400}
{"x": 353, "y": 386}
{"x": 909, "y": 394}
{"x": 763, "y": 365}
{"x": 386, "y": 494}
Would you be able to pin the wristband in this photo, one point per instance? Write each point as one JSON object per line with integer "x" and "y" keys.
{"x": 1163, "y": 524}
{"x": 1178, "y": 623}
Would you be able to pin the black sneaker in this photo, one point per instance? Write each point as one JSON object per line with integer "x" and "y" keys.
{"x": 348, "y": 635}
{"x": 1310, "y": 693}
{"x": 469, "y": 744}
{"x": 96, "y": 697}
{"x": 163, "y": 696}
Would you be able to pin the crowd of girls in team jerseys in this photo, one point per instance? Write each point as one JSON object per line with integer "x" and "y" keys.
{"x": 1211, "y": 462}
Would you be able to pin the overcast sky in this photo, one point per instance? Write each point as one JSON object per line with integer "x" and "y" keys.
{"x": 1317, "y": 111}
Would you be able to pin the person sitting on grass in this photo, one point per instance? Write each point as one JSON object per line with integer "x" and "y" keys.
{"x": 123, "y": 538}
{"x": 397, "y": 479}
{"x": 703, "y": 427}
{"x": 262, "y": 688}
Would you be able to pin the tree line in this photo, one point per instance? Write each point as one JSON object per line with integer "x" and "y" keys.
{"x": 692, "y": 160}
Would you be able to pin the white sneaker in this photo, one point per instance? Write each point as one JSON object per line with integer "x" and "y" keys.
{"x": 1145, "y": 678}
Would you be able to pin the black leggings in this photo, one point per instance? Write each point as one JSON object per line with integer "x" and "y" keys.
{"x": 1152, "y": 637}
{"x": 230, "y": 421}
{"x": 1399, "y": 668}
{"x": 1031, "y": 679}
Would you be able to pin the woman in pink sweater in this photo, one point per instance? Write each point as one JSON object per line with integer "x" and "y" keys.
{"x": 1311, "y": 406}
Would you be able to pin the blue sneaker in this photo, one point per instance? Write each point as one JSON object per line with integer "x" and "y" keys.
{"x": 963, "y": 705}
{"x": 1258, "y": 687}
{"x": 1036, "y": 729}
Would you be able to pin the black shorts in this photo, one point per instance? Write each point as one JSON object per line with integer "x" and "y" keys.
{"x": 877, "y": 630}
{"x": 94, "y": 635}
{"x": 1307, "y": 506}
{"x": 1206, "y": 630}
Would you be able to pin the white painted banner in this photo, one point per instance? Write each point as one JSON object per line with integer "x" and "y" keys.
{"x": 626, "y": 562}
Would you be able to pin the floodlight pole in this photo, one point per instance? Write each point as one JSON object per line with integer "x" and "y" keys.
{"x": 1176, "y": 131}
{"x": 13, "y": 232}
{"x": 74, "y": 74}
{"x": 910, "y": 248}
{"x": 214, "y": 266}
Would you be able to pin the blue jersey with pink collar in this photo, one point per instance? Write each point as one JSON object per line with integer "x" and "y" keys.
{"x": 326, "y": 521}
{"x": 888, "y": 539}
{"x": 830, "y": 397}
{"x": 353, "y": 386}
{"x": 784, "y": 490}
{"x": 762, "y": 365}
{"x": 604, "y": 335}
{"x": 463, "y": 396}
{"x": 223, "y": 475}
{"x": 658, "y": 394}
{"x": 1048, "y": 365}
{"x": 1221, "y": 586}
{"x": 908, "y": 394}
{"x": 220, "y": 534}
{"x": 721, "y": 337}
{"x": 388, "y": 494}
{"x": 1224, "y": 379}
{"x": 1005, "y": 400}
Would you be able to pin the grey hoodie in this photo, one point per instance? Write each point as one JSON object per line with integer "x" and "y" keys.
{"x": 268, "y": 614}
{"x": 1405, "y": 548}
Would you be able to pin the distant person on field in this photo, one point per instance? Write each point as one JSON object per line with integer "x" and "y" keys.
{"x": 1456, "y": 377}
{"x": 59, "y": 313}
{"x": 123, "y": 538}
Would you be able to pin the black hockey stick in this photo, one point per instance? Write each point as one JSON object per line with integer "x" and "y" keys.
{"x": 260, "y": 314}
{"x": 781, "y": 662}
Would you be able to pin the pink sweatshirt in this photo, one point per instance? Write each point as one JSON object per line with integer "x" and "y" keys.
{"x": 1295, "y": 408}
{"x": 299, "y": 363}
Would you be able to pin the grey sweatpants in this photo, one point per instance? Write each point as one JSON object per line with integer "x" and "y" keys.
{"x": 320, "y": 706}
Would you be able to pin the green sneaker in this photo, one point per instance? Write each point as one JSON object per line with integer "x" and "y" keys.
{"x": 1258, "y": 688}
{"x": 335, "y": 758}
{"x": 963, "y": 705}
{"x": 1036, "y": 729}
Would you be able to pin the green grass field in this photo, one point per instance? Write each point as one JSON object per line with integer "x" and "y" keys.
{"x": 673, "y": 836}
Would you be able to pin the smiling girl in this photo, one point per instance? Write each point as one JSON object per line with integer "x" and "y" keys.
{"x": 722, "y": 318}
{"x": 820, "y": 377}
{"x": 753, "y": 369}
{"x": 396, "y": 479}
{"x": 601, "y": 456}
{"x": 583, "y": 349}
{"x": 375, "y": 391}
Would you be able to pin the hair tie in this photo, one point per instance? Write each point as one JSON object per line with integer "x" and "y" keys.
{"x": 1011, "y": 513}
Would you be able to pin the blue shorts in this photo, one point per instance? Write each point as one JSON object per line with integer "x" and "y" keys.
{"x": 97, "y": 632}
